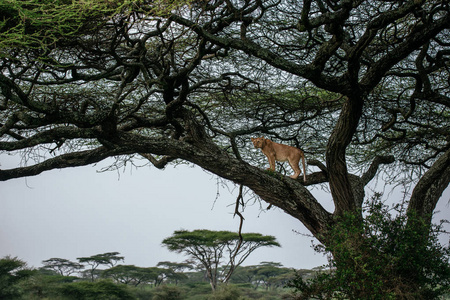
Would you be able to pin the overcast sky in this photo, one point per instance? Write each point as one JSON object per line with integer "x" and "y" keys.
{"x": 80, "y": 212}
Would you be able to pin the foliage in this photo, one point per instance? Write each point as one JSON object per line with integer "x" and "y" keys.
{"x": 109, "y": 258}
{"x": 129, "y": 274}
{"x": 174, "y": 271}
{"x": 226, "y": 293}
{"x": 12, "y": 272}
{"x": 176, "y": 267}
{"x": 168, "y": 293}
{"x": 269, "y": 275}
{"x": 101, "y": 290}
{"x": 42, "y": 24}
{"x": 199, "y": 289}
{"x": 184, "y": 239}
{"x": 62, "y": 266}
{"x": 210, "y": 248}
{"x": 386, "y": 257}
{"x": 45, "y": 285}
{"x": 48, "y": 284}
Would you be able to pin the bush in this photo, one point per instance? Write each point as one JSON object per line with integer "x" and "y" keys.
{"x": 168, "y": 293}
{"x": 99, "y": 290}
{"x": 42, "y": 286}
{"x": 12, "y": 272}
{"x": 226, "y": 292}
{"x": 198, "y": 291}
{"x": 387, "y": 256}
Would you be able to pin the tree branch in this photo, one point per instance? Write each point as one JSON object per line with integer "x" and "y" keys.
{"x": 320, "y": 165}
{"x": 49, "y": 136}
{"x": 161, "y": 163}
{"x": 272, "y": 58}
{"x": 430, "y": 187}
{"x": 233, "y": 254}
{"x": 68, "y": 160}
{"x": 371, "y": 172}
{"x": 343, "y": 132}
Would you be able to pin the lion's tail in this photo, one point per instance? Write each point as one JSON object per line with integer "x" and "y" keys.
{"x": 304, "y": 167}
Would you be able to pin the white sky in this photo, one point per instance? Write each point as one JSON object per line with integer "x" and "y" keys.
{"x": 80, "y": 212}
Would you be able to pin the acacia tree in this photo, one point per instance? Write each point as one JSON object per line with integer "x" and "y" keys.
{"x": 356, "y": 84}
{"x": 219, "y": 252}
{"x": 129, "y": 274}
{"x": 63, "y": 267}
{"x": 270, "y": 274}
{"x": 175, "y": 270}
{"x": 273, "y": 274}
{"x": 108, "y": 259}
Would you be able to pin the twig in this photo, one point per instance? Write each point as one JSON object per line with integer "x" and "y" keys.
{"x": 239, "y": 201}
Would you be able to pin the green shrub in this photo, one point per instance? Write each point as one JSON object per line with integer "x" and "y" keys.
{"x": 387, "y": 256}
{"x": 198, "y": 291}
{"x": 42, "y": 286}
{"x": 226, "y": 292}
{"x": 168, "y": 293}
{"x": 12, "y": 272}
{"x": 99, "y": 290}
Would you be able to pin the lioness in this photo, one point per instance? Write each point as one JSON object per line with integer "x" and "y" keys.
{"x": 280, "y": 152}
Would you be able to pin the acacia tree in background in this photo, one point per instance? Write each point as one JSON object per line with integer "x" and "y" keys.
{"x": 176, "y": 270}
{"x": 269, "y": 274}
{"x": 219, "y": 252}
{"x": 129, "y": 274}
{"x": 63, "y": 267}
{"x": 175, "y": 266}
{"x": 108, "y": 259}
{"x": 358, "y": 85}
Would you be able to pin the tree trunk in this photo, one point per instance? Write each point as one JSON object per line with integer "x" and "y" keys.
{"x": 340, "y": 185}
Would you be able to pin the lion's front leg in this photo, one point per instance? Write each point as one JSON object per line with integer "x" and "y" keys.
{"x": 271, "y": 162}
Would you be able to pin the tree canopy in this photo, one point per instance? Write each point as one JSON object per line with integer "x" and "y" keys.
{"x": 219, "y": 252}
{"x": 129, "y": 274}
{"x": 358, "y": 85}
{"x": 109, "y": 259}
{"x": 62, "y": 266}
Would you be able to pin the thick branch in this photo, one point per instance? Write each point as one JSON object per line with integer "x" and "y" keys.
{"x": 340, "y": 185}
{"x": 430, "y": 187}
{"x": 75, "y": 159}
{"x": 281, "y": 191}
{"x": 49, "y": 136}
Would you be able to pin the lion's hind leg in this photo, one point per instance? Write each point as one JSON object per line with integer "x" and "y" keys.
{"x": 294, "y": 165}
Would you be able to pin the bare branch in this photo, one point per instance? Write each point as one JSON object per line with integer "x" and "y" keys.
{"x": 371, "y": 172}
{"x": 161, "y": 163}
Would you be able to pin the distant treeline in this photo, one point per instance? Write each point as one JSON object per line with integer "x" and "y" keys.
{"x": 102, "y": 276}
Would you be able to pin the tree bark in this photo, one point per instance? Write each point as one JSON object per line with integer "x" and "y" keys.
{"x": 340, "y": 185}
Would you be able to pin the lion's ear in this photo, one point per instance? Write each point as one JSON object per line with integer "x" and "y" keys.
{"x": 252, "y": 139}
